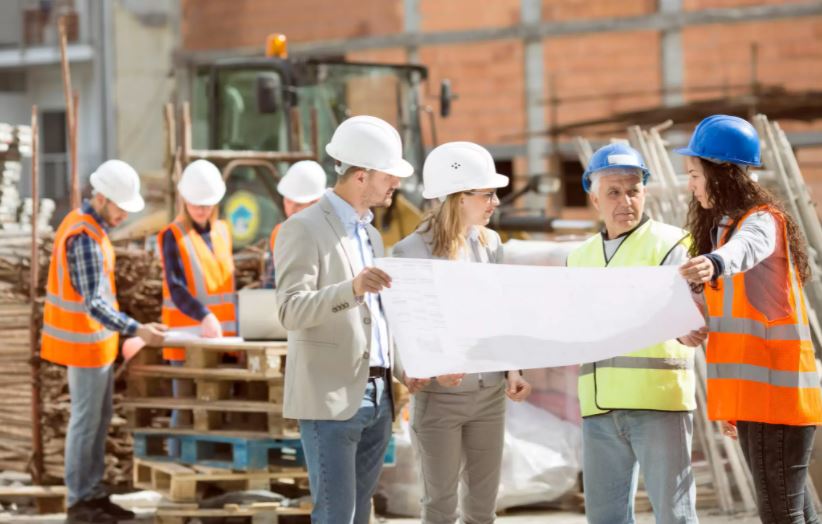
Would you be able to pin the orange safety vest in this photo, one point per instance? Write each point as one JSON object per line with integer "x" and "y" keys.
{"x": 210, "y": 278}
{"x": 761, "y": 364}
{"x": 71, "y": 336}
{"x": 273, "y": 238}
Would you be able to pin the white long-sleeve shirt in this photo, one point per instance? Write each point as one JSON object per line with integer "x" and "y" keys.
{"x": 753, "y": 241}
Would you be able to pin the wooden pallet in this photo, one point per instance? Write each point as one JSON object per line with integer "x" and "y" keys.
{"x": 48, "y": 499}
{"x": 180, "y": 483}
{"x": 260, "y": 419}
{"x": 218, "y": 451}
{"x": 231, "y": 385}
{"x": 257, "y": 513}
{"x": 226, "y": 358}
{"x": 145, "y": 384}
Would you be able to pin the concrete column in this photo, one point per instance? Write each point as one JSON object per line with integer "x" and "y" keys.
{"x": 534, "y": 70}
{"x": 671, "y": 61}
{"x": 412, "y": 23}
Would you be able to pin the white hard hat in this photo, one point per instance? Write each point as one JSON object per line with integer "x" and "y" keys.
{"x": 303, "y": 182}
{"x": 459, "y": 166}
{"x": 371, "y": 143}
{"x": 201, "y": 184}
{"x": 118, "y": 182}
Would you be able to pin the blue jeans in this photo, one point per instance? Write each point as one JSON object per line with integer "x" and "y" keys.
{"x": 345, "y": 458}
{"x": 90, "y": 390}
{"x": 617, "y": 444}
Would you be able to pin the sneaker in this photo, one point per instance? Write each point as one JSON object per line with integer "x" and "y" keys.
{"x": 110, "y": 508}
{"x": 85, "y": 513}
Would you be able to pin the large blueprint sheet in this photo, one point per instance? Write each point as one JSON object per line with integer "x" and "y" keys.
{"x": 454, "y": 317}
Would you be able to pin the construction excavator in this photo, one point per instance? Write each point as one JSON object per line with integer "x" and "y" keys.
{"x": 254, "y": 116}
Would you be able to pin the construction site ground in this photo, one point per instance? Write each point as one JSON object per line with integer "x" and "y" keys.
{"x": 524, "y": 517}
{"x": 562, "y": 517}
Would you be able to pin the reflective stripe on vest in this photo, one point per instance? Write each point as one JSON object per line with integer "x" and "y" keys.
{"x": 71, "y": 336}
{"x": 77, "y": 338}
{"x": 210, "y": 279}
{"x": 638, "y": 363}
{"x": 660, "y": 377}
{"x": 763, "y": 375}
{"x": 762, "y": 369}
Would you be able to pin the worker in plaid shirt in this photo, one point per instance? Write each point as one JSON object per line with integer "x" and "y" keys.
{"x": 81, "y": 328}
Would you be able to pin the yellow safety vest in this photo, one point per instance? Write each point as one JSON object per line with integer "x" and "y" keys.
{"x": 659, "y": 377}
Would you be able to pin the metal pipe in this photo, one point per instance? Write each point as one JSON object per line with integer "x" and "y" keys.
{"x": 34, "y": 339}
{"x": 226, "y": 155}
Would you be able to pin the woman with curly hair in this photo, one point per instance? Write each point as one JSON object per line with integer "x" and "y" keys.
{"x": 750, "y": 256}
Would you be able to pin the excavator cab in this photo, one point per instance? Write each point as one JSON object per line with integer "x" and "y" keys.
{"x": 287, "y": 110}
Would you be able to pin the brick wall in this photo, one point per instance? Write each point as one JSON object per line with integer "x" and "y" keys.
{"x": 225, "y": 24}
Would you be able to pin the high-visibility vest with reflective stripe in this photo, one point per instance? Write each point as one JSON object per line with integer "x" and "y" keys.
{"x": 761, "y": 364}
{"x": 273, "y": 239}
{"x": 659, "y": 377}
{"x": 71, "y": 336}
{"x": 210, "y": 279}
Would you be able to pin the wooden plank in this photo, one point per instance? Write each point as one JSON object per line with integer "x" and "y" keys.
{"x": 47, "y": 499}
{"x": 213, "y": 374}
{"x": 221, "y": 433}
{"x": 33, "y": 491}
{"x": 230, "y": 344}
{"x": 240, "y": 406}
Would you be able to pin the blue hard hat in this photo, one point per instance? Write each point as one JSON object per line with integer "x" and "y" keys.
{"x": 614, "y": 156}
{"x": 724, "y": 138}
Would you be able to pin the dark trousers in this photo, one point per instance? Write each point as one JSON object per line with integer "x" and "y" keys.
{"x": 778, "y": 457}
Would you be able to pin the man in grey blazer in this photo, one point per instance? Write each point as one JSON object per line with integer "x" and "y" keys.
{"x": 340, "y": 354}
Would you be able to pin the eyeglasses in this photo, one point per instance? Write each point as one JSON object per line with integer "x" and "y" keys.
{"x": 489, "y": 196}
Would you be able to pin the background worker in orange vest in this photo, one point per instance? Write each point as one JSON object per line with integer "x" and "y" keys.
{"x": 302, "y": 185}
{"x": 199, "y": 295}
{"x": 750, "y": 256}
{"x": 81, "y": 327}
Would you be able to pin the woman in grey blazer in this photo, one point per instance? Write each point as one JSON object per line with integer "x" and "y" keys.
{"x": 458, "y": 421}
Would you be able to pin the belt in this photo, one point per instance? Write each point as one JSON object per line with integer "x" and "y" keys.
{"x": 377, "y": 372}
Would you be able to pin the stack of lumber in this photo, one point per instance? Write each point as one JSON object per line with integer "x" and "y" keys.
{"x": 15, "y": 383}
{"x": 16, "y": 317}
{"x": 139, "y": 277}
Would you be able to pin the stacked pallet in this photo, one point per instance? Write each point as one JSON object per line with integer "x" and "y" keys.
{"x": 230, "y": 434}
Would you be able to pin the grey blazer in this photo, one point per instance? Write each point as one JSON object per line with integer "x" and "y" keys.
{"x": 420, "y": 245}
{"x": 329, "y": 333}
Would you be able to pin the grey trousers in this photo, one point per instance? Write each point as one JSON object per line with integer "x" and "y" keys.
{"x": 459, "y": 439}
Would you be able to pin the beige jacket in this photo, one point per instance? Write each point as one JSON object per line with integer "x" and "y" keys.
{"x": 329, "y": 333}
